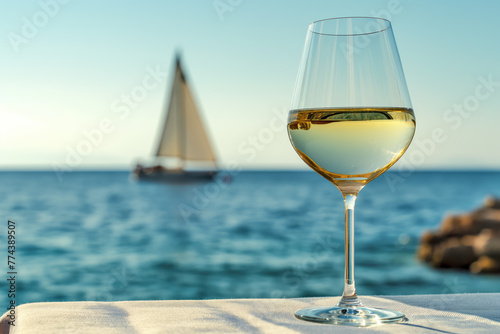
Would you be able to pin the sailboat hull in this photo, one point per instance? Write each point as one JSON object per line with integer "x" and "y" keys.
{"x": 173, "y": 176}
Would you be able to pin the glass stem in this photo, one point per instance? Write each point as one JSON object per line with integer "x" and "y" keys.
{"x": 349, "y": 297}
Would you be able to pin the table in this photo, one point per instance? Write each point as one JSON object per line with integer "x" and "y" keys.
{"x": 457, "y": 313}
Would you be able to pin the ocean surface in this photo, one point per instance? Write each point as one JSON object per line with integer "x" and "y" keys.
{"x": 100, "y": 236}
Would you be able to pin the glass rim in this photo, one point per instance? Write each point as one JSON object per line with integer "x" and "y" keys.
{"x": 387, "y": 23}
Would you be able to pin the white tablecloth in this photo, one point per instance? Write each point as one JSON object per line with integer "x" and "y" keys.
{"x": 459, "y": 313}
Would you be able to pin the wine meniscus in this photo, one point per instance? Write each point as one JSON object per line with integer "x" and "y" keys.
{"x": 351, "y": 146}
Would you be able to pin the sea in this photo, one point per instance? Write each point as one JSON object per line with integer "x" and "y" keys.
{"x": 100, "y": 236}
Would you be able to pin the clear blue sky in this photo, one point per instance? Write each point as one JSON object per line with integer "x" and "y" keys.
{"x": 66, "y": 65}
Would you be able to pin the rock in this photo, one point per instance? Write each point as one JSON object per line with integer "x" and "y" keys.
{"x": 467, "y": 224}
{"x": 470, "y": 241}
{"x": 453, "y": 254}
{"x": 427, "y": 242}
{"x": 425, "y": 252}
{"x": 492, "y": 202}
{"x": 487, "y": 243}
{"x": 489, "y": 214}
{"x": 429, "y": 237}
{"x": 457, "y": 225}
{"x": 485, "y": 265}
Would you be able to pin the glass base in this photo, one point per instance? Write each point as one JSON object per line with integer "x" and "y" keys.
{"x": 351, "y": 316}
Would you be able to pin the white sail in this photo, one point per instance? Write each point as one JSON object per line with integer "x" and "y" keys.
{"x": 184, "y": 135}
{"x": 170, "y": 145}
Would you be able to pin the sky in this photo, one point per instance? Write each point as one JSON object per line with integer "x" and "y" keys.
{"x": 83, "y": 83}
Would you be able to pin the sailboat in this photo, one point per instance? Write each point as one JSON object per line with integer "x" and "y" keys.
{"x": 183, "y": 139}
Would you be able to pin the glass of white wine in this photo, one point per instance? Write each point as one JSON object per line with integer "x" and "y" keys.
{"x": 351, "y": 119}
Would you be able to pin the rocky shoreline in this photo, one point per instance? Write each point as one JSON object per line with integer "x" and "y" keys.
{"x": 468, "y": 241}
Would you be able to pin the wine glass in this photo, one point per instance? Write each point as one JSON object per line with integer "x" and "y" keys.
{"x": 351, "y": 119}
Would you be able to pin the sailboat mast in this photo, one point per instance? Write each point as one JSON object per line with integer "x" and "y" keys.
{"x": 182, "y": 120}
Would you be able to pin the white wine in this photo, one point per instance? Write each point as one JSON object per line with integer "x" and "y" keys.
{"x": 351, "y": 146}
